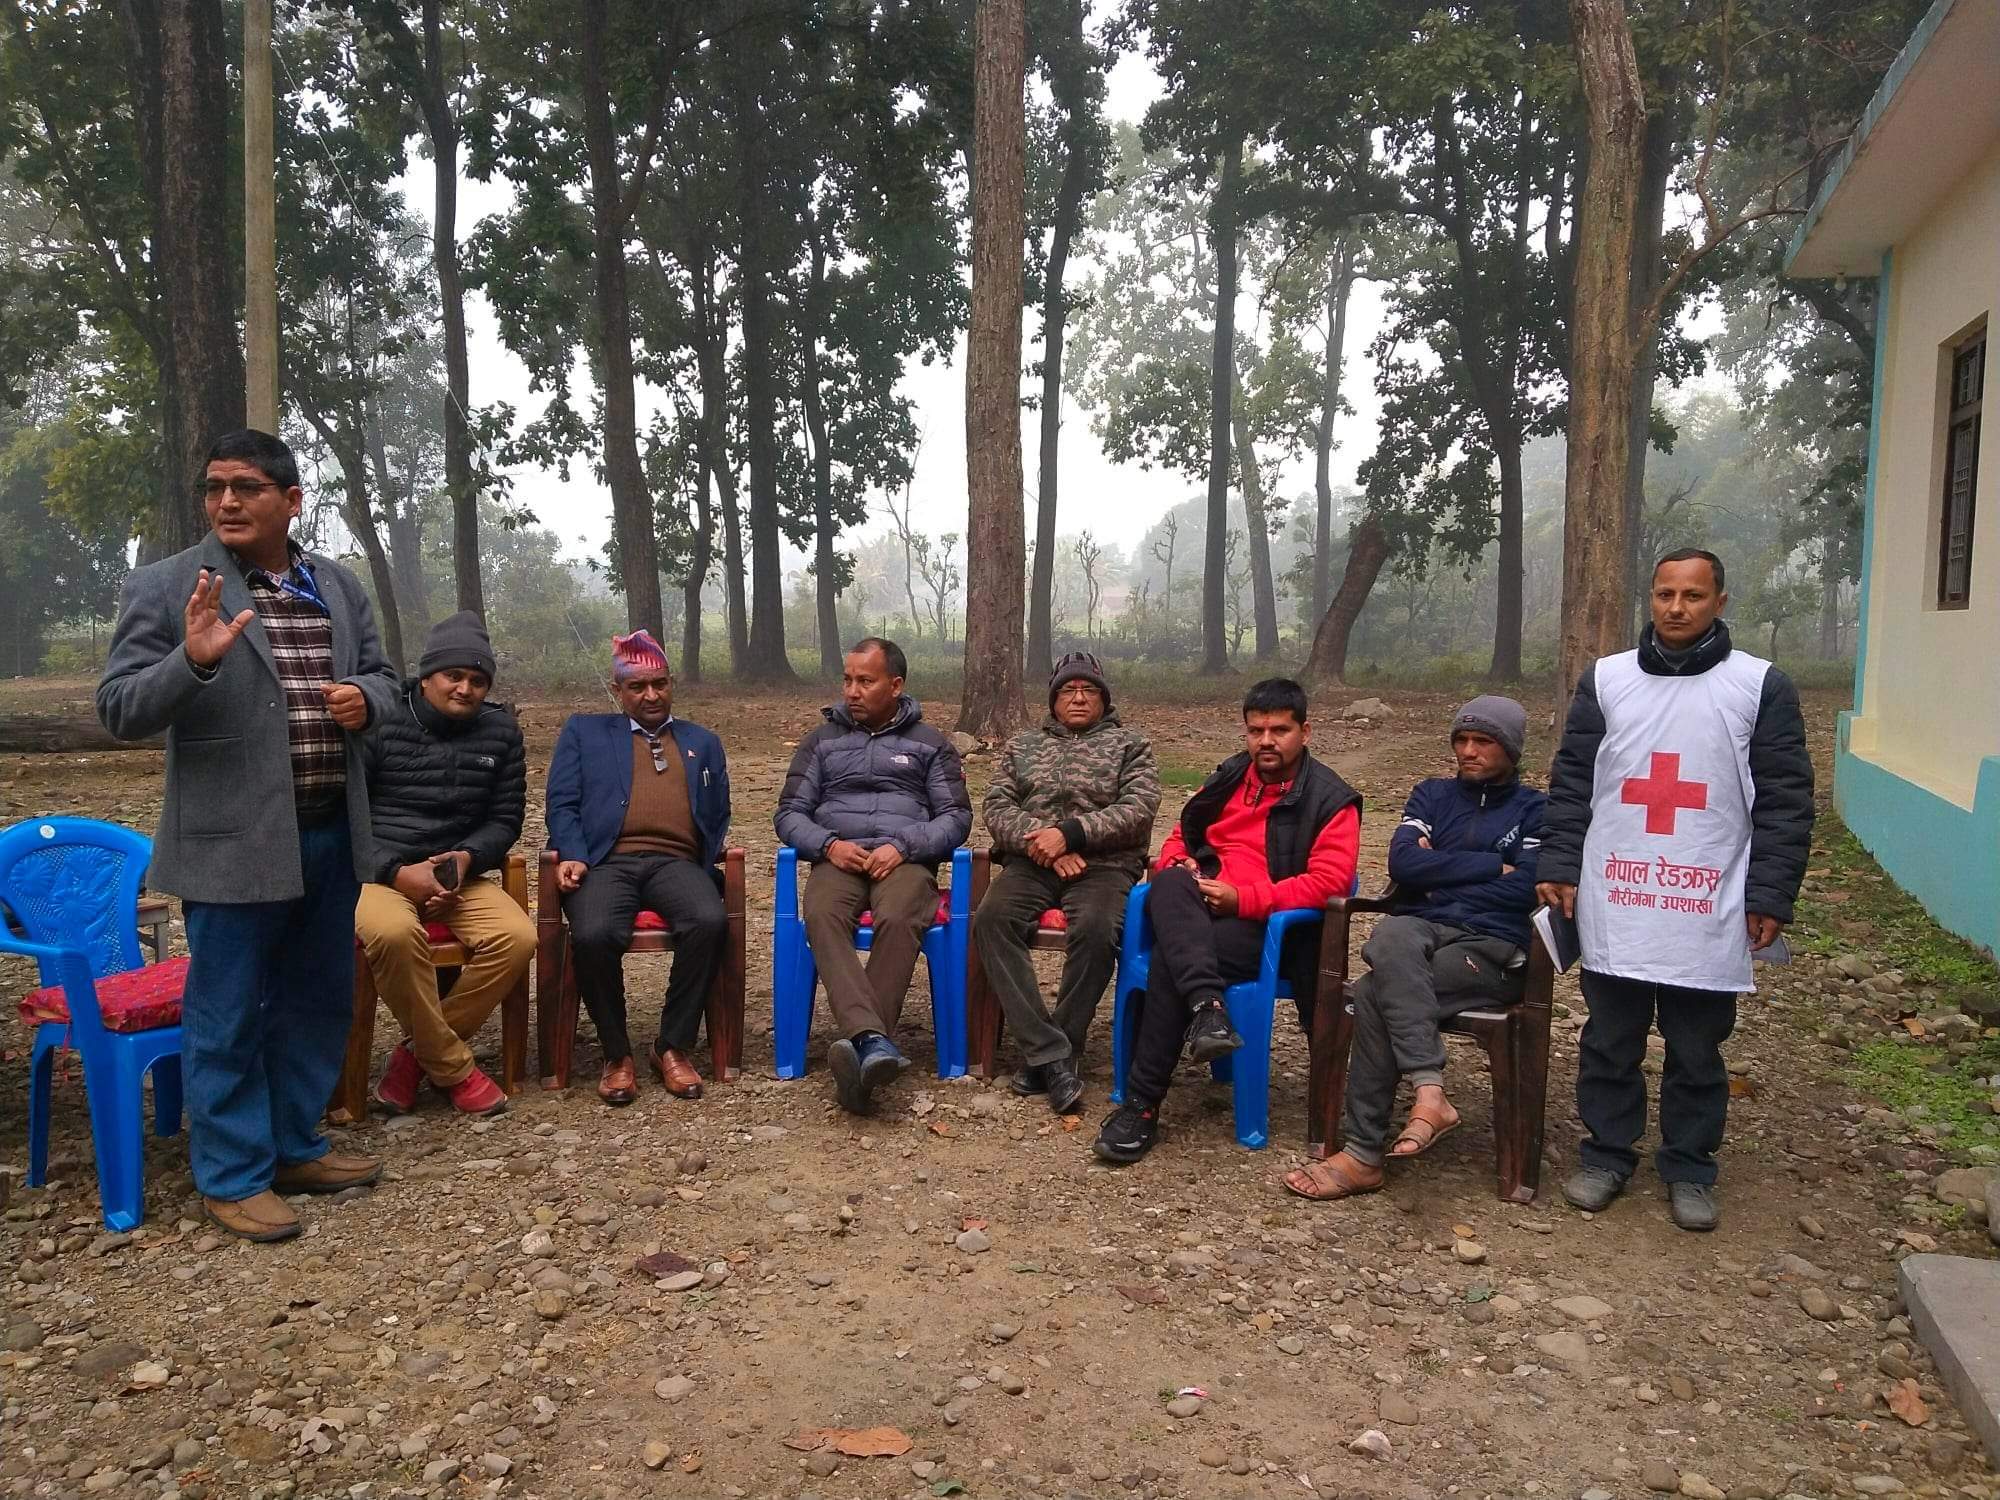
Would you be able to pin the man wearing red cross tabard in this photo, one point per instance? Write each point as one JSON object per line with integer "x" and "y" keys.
{"x": 1680, "y": 814}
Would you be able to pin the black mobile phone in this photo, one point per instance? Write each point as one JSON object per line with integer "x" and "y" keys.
{"x": 446, "y": 871}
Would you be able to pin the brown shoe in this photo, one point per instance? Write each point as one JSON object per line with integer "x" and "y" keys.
{"x": 680, "y": 1076}
{"x": 619, "y": 1084}
{"x": 262, "y": 1218}
{"x": 331, "y": 1173}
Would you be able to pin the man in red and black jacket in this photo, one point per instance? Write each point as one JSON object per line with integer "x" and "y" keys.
{"x": 1271, "y": 830}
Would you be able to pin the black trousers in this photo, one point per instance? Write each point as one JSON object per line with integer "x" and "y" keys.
{"x": 1196, "y": 955}
{"x": 1094, "y": 905}
{"x": 601, "y": 912}
{"x": 1694, "y": 1086}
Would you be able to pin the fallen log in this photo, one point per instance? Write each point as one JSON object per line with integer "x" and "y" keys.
{"x": 61, "y": 733}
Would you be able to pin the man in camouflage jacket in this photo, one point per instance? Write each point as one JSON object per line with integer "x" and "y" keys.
{"x": 1071, "y": 811}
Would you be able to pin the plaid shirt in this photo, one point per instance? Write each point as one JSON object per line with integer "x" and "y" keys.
{"x": 301, "y": 637}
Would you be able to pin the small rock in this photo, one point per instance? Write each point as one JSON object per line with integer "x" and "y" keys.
{"x": 1583, "y": 1309}
{"x": 1211, "y": 1457}
{"x": 538, "y": 1244}
{"x": 496, "y": 1465}
{"x": 681, "y": 1281}
{"x": 1815, "y": 1303}
{"x": 673, "y": 1388}
{"x": 1372, "y": 1444}
{"x": 1366, "y": 708}
{"x": 1183, "y": 1407}
{"x": 1292, "y": 1344}
{"x": 823, "y": 1465}
{"x": 21, "y": 1337}
{"x": 1469, "y": 1252}
{"x": 1567, "y": 1347}
{"x": 1877, "y": 1484}
{"x": 1811, "y": 1228}
{"x": 1660, "y": 1477}
{"x": 1699, "y": 1487}
{"x": 974, "y": 1242}
{"x": 1400, "y": 1409}
{"x": 654, "y": 1454}
{"x": 1013, "y": 1384}
{"x": 550, "y": 1305}
{"x": 1003, "y": 1333}
{"x": 441, "y": 1470}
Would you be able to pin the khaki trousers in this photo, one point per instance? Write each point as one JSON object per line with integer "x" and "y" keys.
{"x": 904, "y": 903}
{"x": 500, "y": 938}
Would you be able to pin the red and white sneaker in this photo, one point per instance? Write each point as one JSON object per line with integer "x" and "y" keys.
{"x": 397, "y": 1092}
{"x": 476, "y": 1094}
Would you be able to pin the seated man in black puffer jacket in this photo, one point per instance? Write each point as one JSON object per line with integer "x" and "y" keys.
{"x": 447, "y": 783}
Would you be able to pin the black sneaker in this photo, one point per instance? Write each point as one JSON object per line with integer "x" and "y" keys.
{"x": 1209, "y": 1034}
{"x": 1592, "y": 1189}
{"x": 1029, "y": 1081}
{"x": 1127, "y": 1135}
{"x": 1065, "y": 1089}
{"x": 1693, "y": 1206}
{"x": 849, "y": 1088}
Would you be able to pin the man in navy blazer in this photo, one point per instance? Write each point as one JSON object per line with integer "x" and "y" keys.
{"x": 638, "y": 807}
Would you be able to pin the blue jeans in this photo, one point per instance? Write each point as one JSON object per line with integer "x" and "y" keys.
{"x": 264, "y": 1020}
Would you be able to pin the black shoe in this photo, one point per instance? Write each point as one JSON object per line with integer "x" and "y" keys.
{"x": 1209, "y": 1034}
{"x": 1065, "y": 1089}
{"x": 1592, "y": 1189}
{"x": 850, "y": 1087}
{"x": 1127, "y": 1135}
{"x": 1029, "y": 1081}
{"x": 1693, "y": 1206}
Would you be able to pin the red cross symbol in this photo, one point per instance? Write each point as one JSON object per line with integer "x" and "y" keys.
{"x": 1662, "y": 792}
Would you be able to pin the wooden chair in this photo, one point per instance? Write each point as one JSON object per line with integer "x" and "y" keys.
{"x": 982, "y": 1006}
{"x": 448, "y": 955}
{"x": 1514, "y": 1037}
{"x": 557, "y": 999}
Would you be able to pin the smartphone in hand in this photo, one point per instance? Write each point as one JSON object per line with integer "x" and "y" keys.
{"x": 445, "y": 870}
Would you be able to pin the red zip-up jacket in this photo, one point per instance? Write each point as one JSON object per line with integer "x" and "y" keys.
{"x": 1238, "y": 838}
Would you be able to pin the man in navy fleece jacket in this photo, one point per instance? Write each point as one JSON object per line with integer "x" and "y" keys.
{"x": 1463, "y": 863}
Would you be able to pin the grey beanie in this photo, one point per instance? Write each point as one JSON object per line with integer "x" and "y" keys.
{"x": 1502, "y": 718}
{"x": 460, "y": 641}
{"x": 1079, "y": 666}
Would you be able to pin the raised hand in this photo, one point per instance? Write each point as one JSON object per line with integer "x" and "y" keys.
{"x": 207, "y": 634}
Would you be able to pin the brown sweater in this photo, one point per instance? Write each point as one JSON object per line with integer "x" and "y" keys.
{"x": 658, "y": 819}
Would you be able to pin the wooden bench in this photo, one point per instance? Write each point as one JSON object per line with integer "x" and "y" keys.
{"x": 350, "y": 1100}
{"x": 1515, "y": 1039}
{"x": 983, "y": 1018}
{"x": 557, "y": 1000}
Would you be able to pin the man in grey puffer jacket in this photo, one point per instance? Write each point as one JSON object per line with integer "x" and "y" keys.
{"x": 877, "y": 798}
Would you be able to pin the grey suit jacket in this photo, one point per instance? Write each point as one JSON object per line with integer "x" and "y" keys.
{"x": 228, "y": 831}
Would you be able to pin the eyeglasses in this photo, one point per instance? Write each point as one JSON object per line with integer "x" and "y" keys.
{"x": 1077, "y": 690}
{"x": 242, "y": 489}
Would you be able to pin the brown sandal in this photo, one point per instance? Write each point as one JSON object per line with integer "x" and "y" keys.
{"x": 1326, "y": 1181}
{"x": 1434, "y": 1129}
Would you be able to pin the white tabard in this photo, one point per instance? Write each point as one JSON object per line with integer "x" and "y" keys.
{"x": 1664, "y": 862}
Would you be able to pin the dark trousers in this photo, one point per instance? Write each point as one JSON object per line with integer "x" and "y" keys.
{"x": 1419, "y": 973}
{"x": 601, "y": 912}
{"x": 1196, "y": 955}
{"x": 904, "y": 903}
{"x": 1694, "y": 1086}
{"x": 264, "y": 1020}
{"x": 1093, "y": 904}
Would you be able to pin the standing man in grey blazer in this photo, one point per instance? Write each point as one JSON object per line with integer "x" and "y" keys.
{"x": 260, "y": 663}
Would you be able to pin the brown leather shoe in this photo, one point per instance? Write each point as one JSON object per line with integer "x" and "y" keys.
{"x": 262, "y": 1218}
{"x": 680, "y": 1075}
{"x": 331, "y": 1173}
{"x": 619, "y": 1083}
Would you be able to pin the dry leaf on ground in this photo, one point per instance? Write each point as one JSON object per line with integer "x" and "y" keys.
{"x": 862, "y": 1442}
{"x": 1906, "y": 1403}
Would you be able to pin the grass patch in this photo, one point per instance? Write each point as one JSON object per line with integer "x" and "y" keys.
{"x": 1184, "y": 775}
{"x": 1847, "y": 886}
{"x": 1951, "y": 1090}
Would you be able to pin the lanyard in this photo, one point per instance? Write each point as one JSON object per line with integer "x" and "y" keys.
{"x": 299, "y": 584}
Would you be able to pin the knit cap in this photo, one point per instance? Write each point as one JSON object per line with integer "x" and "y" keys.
{"x": 636, "y": 653}
{"x": 1079, "y": 665}
{"x": 1502, "y": 718}
{"x": 460, "y": 641}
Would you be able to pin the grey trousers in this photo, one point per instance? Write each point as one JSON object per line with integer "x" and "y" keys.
{"x": 905, "y": 903}
{"x": 1419, "y": 973}
{"x": 1094, "y": 906}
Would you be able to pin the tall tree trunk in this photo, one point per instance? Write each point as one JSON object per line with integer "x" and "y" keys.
{"x": 1367, "y": 551}
{"x": 711, "y": 366}
{"x": 1507, "y": 611}
{"x": 1339, "y": 288}
{"x": 1829, "y": 601}
{"x": 766, "y": 660}
{"x": 406, "y": 537}
{"x": 1256, "y": 521}
{"x": 993, "y": 705}
{"x": 1055, "y": 325}
{"x": 632, "y": 518}
{"x": 1222, "y": 383}
{"x": 181, "y": 85}
{"x": 350, "y": 451}
{"x": 1648, "y": 271}
{"x": 699, "y": 562}
{"x": 825, "y": 564}
{"x": 1601, "y": 334}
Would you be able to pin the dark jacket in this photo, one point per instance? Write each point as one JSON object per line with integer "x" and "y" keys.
{"x": 436, "y": 783}
{"x": 1317, "y": 796}
{"x": 1100, "y": 786}
{"x": 590, "y": 784}
{"x": 1781, "y": 777}
{"x": 229, "y": 831}
{"x": 901, "y": 784}
{"x": 1479, "y": 872}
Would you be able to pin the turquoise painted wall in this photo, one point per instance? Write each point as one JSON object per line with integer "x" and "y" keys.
{"x": 1942, "y": 854}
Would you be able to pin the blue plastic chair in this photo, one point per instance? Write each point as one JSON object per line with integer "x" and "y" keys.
{"x": 1252, "y": 1006}
{"x": 794, "y": 975}
{"x": 72, "y": 884}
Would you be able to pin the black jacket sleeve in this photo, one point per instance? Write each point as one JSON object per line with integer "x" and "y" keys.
{"x": 1571, "y": 781}
{"x": 1781, "y": 818}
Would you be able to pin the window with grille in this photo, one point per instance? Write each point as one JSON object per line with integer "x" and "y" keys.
{"x": 1961, "y": 471}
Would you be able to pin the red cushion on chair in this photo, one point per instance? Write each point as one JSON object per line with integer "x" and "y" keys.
{"x": 942, "y": 919}
{"x": 439, "y": 932}
{"x": 1053, "y": 920}
{"x": 143, "y": 999}
{"x": 650, "y": 921}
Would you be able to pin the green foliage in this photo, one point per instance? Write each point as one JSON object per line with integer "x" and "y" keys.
{"x": 1848, "y": 886}
{"x": 51, "y": 571}
{"x": 1939, "y": 1092}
